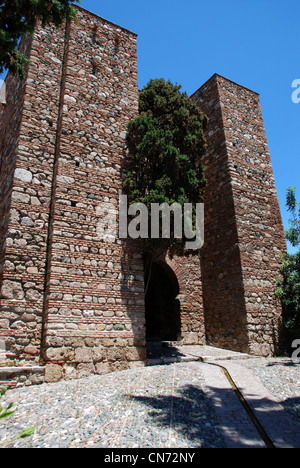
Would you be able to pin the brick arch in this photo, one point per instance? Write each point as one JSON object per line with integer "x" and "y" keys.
{"x": 187, "y": 270}
{"x": 175, "y": 267}
{"x": 178, "y": 270}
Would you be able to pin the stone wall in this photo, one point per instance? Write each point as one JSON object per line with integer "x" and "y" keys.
{"x": 187, "y": 271}
{"x": 243, "y": 227}
{"x": 94, "y": 312}
{"x": 74, "y": 302}
{"x": 67, "y": 297}
{"x": 14, "y": 377}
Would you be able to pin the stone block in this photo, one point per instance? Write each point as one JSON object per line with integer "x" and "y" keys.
{"x": 83, "y": 355}
{"x": 53, "y": 373}
{"x": 102, "y": 368}
{"x": 12, "y": 290}
{"x": 60, "y": 354}
{"x": 23, "y": 175}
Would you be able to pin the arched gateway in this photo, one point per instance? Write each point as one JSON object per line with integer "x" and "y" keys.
{"x": 163, "y": 320}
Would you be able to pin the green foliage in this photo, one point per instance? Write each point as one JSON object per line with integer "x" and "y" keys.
{"x": 289, "y": 285}
{"x": 166, "y": 142}
{"x": 289, "y": 292}
{"x": 5, "y": 413}
{"x": 18, "y": 18}
{"x": 293, "y": 234}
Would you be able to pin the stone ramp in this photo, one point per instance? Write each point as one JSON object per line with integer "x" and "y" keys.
{"x": 166, "y": 352}
{"x": 190, "y": 404}
{"x": 238, "y": 430}
{"x": 276, "y": 422}
{"x": 249, "y": 415}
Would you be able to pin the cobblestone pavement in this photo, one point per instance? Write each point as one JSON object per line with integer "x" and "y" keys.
{"x": 180, "y": 405}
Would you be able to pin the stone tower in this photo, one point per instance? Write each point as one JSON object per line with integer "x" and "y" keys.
{"x": 243, "y": 225}
{"x": 74, "y": 304}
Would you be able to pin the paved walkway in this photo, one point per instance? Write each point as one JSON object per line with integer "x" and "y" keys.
{"x": 209, "y": 399}
{"x": 249, "y": 415}
{"x": 258, "y": 420}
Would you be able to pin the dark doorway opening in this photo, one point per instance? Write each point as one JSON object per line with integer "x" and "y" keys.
{"x": 162, "y": 308}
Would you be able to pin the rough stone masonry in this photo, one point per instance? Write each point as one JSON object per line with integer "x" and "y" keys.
{"x": 73, "y": 305}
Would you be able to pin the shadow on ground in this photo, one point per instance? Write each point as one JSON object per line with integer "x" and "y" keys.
{"x": 192, "y": 416}
{"x": 189, "y": 413}
{"x": 157, "y": 349}
{"x": 287, "y": 363}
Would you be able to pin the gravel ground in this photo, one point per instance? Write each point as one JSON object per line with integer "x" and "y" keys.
{"x": 281, "y": 376}
{"x": 151, "y": 407}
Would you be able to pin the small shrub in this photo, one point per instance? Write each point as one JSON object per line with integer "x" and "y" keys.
{"x": 5, "y": 413}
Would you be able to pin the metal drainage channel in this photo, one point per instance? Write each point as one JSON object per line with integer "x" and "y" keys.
{"x": 264, "y": 436}
{"x": 260, "y": 429}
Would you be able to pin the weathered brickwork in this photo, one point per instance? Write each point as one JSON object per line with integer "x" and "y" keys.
{"x": 94, "y": 316}
{"x": 68, "y": 298}
{"x": 74, "y": 303}
{"x": 187, "y": 271}
{"x": 243, "y": 227}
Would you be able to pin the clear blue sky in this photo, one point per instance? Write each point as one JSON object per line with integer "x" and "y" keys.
{"x": 255, "y": 43}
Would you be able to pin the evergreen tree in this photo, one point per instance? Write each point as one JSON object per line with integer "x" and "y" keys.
{"x": 289, "y": 285}
{"x": 166, "y": 144}
{"x": 18, "y": 18}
